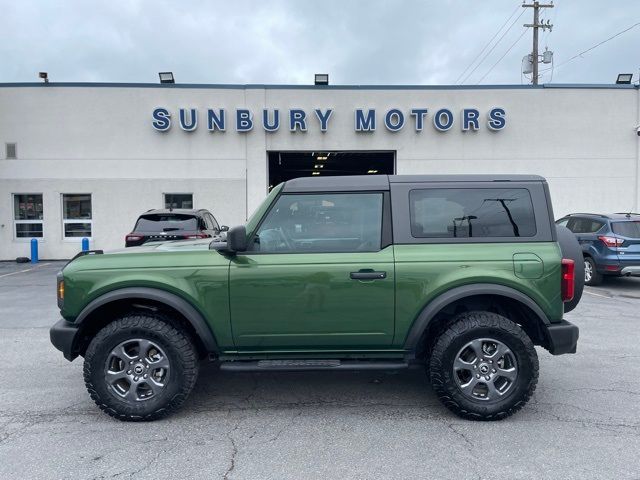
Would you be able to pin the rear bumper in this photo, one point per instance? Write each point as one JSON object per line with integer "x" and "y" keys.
{"x": 63, "y": 335}
{"x": 631, "y": 270}
{"x": 562, "y": 337}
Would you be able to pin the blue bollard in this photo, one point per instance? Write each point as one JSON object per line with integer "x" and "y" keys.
{"x": 34, "y": 250}
{"x": 85, "y": 244}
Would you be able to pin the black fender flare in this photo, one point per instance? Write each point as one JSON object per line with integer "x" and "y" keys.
{"x": 188, "y": 311}
{"x": 421, "y": 323}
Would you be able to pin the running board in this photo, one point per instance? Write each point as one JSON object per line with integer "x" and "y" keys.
{"x": 309, "y": 365}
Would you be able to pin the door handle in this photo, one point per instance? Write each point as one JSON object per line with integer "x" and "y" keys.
{"x": 367, "y": 275}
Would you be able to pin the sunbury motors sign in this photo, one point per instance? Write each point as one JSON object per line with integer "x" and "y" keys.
{"x": 299, "y": 120}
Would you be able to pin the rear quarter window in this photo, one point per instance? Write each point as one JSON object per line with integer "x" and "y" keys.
{"x": 471, "y": 213}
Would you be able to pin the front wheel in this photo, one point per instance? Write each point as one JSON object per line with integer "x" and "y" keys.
{"x": 140, "y": 367}
{"x": 483, "y": 367}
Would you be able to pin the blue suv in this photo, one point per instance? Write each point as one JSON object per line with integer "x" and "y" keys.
{"x": 610, "y": 243}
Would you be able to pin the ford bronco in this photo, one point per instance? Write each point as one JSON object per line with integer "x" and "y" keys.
{"x": 463, "y": 275}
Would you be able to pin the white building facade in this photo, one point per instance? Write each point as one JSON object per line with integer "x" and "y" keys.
{"x": 85, "y": 160}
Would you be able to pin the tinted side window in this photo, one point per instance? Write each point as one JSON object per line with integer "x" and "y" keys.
{"x": 213, "y": 221}
{"x": 340, "y": 222}
{"x": 471, "y": 212}
{"x": 585, "y": 225}
{"x": 207, "y": 222}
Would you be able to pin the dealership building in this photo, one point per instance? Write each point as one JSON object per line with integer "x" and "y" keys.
{"x": 85, "y": 160}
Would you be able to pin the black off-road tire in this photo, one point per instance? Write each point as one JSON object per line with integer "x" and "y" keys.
{"x": 479, "y": 325}
{"x": 176, "y": 345}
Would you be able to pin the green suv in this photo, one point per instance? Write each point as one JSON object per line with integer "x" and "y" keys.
{"x": 461, "y": 274}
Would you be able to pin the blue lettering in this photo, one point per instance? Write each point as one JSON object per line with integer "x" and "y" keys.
{"x": 365, "y": 124}
{"x": 244, "y": 122}
{"x": 215, "y": 122}
{"x": 470, "y": 119}
{"x": 394, "y": 120}
{"x": 497, "y": 120}
{"x": 271, "y": 127}
{"x": 324, "y": 118}
{"x": 297, "y": 120}
{"x": 419, "y": 113}
{"x": 193, "y": 117}
{"x": 161, "y": 119}
{"x": 443, "y": 119}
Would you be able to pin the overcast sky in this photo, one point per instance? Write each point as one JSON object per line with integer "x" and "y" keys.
{"x": 356, "y": 42}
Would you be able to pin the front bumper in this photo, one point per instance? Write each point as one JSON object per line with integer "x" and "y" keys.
{"x": 562, "y": 337}
{"x": 63, "y": 335}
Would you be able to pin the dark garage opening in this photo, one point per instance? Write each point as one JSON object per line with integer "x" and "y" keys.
{"x": 284, "y": 166}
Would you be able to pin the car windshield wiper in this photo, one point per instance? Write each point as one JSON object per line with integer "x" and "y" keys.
{"x": 170, "y": 229}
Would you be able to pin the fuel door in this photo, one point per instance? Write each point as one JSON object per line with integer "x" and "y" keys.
{"x": 527, "y": 265}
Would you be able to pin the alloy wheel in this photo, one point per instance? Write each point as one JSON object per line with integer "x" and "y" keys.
{"x": 137, "y": 370}
{"x": 588, "y": 271}
{"x": 485, "y": 369}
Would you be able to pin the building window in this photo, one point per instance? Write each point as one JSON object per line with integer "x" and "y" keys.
{"x": 27, "y": 215}
{"x": 76, "y": 215}
{"x": 178, "y": 200}
{"x": 11, "y": 151}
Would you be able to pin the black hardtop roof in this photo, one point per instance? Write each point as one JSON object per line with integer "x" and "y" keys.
{"x": 178, "y": 211}
{"x": 382, "y": 182}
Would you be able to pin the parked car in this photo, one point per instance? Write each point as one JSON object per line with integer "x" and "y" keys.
{"x": 174, "y": 224}
{"x": 461, "y": 274}
{"x": 610, "y": 243}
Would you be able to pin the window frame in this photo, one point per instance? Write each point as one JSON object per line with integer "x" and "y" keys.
{"x": 164, "y": 200}
{"x": 79, "y": 220}
{"x": 214, "y": 222}
{"x": 16, "y": 222}
{"x": 543, "y": 214}
{"x": 386, "y": 236}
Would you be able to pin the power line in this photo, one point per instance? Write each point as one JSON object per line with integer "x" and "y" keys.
{"x": 488, "y": 43}
{"x": 594, "y": 47}
{"x": 493, "y": 48}
{"x": 503, "y": 55}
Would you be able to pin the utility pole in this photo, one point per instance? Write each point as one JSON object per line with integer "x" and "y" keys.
{"x": 536, "y": 25}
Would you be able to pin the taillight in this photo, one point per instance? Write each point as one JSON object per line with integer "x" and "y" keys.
{"x": 133, "y": 238}
{"x": 611, "y": 241}
{"x": 568, "y": 279}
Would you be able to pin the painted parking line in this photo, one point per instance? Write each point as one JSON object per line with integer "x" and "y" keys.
{"x": 23, "y": 271}
{"x": 597, "y": 294}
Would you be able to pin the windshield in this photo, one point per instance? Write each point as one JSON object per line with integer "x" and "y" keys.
{"x": 166, "y": 223}
{"x": 626, "y": 229}
{"x": 253, "y": 220}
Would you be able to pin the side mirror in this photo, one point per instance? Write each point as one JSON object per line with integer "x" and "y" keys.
{"x": 224, "y": 228}
{"x": 237, "y": 239}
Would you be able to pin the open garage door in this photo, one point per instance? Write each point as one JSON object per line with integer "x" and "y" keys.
{"x": 284, "y": 166}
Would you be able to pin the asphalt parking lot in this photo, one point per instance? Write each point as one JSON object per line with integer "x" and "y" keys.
{"x": 583, "y": 422}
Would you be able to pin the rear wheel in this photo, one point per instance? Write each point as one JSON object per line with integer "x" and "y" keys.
{"x": 591, "y": 275}
{"x": 483, "y": 367}
{"x": 140, "y": 367}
